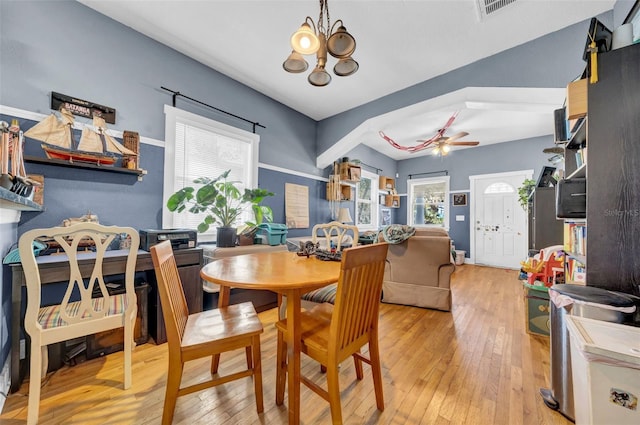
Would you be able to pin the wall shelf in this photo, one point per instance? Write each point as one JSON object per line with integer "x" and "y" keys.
{"x": 62, "y": 163}
{"x": 11, "y": 201}
{"x": 581, "y": 172}
{"x": 386, "y": 183}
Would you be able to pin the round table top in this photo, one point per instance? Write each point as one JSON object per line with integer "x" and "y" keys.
{"x": 274, "y": 271}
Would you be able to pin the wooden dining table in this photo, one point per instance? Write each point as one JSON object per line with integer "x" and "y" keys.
{"x": 287, "y": 274}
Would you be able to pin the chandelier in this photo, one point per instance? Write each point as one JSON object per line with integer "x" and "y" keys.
{"x": 319, "y": 39}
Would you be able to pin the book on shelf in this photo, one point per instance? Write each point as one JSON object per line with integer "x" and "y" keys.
{"x": 576, "y": 271}
{"x": 581, "y": 157}
{"x": 575, "y": 238}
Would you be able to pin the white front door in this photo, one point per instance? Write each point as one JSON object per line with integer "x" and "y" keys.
{"x": 498, "y": 222}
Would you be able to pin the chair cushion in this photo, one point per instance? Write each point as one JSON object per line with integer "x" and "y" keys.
{"x": 49, "y": 317}
{"x": 326, "y": 294}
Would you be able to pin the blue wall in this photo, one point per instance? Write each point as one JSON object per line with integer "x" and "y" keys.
{"x": 66, "y": 47}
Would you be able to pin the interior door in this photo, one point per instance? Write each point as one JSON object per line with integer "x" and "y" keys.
{"x": 500, "y": 223}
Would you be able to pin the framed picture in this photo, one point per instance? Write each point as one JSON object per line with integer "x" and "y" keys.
{"x": 459, "y": 199}
{"x": 385, "y": 217}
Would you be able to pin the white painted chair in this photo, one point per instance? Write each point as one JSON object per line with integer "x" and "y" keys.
{"x": 78, "y": 314}
{"x": 326, "y": 234}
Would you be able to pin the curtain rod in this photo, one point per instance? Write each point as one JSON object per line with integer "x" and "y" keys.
{"x": 446, "y": 172}
{"x": 177, "y": 93}
{"x": 378, "y": 170}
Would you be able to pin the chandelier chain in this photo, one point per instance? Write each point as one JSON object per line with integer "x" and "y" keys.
{"x": 324, "y": 9}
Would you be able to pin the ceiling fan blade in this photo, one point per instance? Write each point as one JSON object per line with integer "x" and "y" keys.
{"x": 457, "y": 135}
{"x": 469, "y": 143}
{"x": 554, "y": 150}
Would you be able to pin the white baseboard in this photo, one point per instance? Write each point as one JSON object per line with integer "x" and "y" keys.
{"x": 5, "y": 381}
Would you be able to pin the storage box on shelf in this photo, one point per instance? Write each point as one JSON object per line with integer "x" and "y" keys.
{"x": 349, "y": 172}
{"x": 386, "y": 183}
{"x": 577, "y": 99}
{"x": 392, "y": 201}
{"x": 338, "y": 191}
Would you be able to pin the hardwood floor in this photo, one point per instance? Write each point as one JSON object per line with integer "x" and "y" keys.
{"x": 475, "y": 365}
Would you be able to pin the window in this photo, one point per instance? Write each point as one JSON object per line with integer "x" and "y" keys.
{"x": 428, "y": 202}
{"x": 367, "y": 201}
{"x": 197, "y": 147}
{"x": 499, "y": 187}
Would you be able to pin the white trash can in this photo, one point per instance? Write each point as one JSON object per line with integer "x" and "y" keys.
{"x": 460, "y": 257}
{"x": 605, "y": 360}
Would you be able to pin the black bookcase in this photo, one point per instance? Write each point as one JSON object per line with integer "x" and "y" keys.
{"x": 544, "y": 229}
{"x": 613, "y": 172}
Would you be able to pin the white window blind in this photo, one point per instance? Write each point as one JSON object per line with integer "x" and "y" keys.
{"x": 199, "y": 147}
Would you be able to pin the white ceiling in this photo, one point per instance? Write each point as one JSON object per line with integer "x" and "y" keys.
{"x": 399, "y": 44}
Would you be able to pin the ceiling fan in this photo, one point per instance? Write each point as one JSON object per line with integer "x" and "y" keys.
{"x": 557, "y": 154}
{"x": 442, "y": 145}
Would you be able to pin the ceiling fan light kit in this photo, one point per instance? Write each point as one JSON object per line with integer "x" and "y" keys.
{"x": 321, "y": 39}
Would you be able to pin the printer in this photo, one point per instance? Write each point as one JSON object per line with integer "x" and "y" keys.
{"x": 180, "y": 238}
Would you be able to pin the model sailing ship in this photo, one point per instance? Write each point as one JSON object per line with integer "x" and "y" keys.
{"x": 96, "y": 146}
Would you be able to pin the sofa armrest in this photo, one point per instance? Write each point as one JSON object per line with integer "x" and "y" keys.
{"x": 444, "y": 275}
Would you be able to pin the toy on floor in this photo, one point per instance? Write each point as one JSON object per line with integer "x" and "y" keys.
{"x": 545, "y": 266}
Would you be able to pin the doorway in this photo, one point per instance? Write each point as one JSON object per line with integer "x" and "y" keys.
{"x": 498, "y": 224}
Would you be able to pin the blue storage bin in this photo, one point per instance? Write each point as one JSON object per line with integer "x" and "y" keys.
{"x": 276, "y": 233}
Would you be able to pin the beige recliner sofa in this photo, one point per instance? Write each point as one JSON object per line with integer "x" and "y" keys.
{"x": 419, "y": 269}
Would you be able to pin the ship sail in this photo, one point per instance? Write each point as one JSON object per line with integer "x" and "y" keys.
{"x": 53, "y": 130}
{"x": 98, "y": 140}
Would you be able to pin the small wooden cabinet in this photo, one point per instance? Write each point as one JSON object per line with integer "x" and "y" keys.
{"x": 392, "y": 201}
{"x": 339, "y": 192}
{"x": 349, "y": 172}
{"x": 386, "y": 183}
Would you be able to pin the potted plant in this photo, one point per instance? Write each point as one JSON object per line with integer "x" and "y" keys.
{"x": 223, "y": 202}
{"x": 524, "y": 192}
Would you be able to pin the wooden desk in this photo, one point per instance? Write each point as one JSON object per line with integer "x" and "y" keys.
{"x": 284, "y": 273}
{"x": 55, "y": 268}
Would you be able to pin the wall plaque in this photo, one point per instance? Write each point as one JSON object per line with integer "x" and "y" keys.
{"x": 82, "y": 108}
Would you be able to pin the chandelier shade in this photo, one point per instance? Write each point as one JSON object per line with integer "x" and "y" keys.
{"x": 305, "y": 41}
{"x": 341, "y": 44}
{"x": 345, "y": 67}
{"x": 319, "y": 77}
{"x": 321, "y": 39}
{"x": 295, "y": 63}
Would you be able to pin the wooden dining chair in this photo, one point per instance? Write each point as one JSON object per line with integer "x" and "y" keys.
{"x": 80, "y": 312}
{"x": 204, "y": 334}
{"x": 332, "y": 333}
{"x": 334, "y": 234}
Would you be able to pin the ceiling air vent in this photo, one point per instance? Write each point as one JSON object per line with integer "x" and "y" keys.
{"x": 489, "y": 7}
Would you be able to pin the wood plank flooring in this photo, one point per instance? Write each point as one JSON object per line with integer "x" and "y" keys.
{"x": 474, "y": 365}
